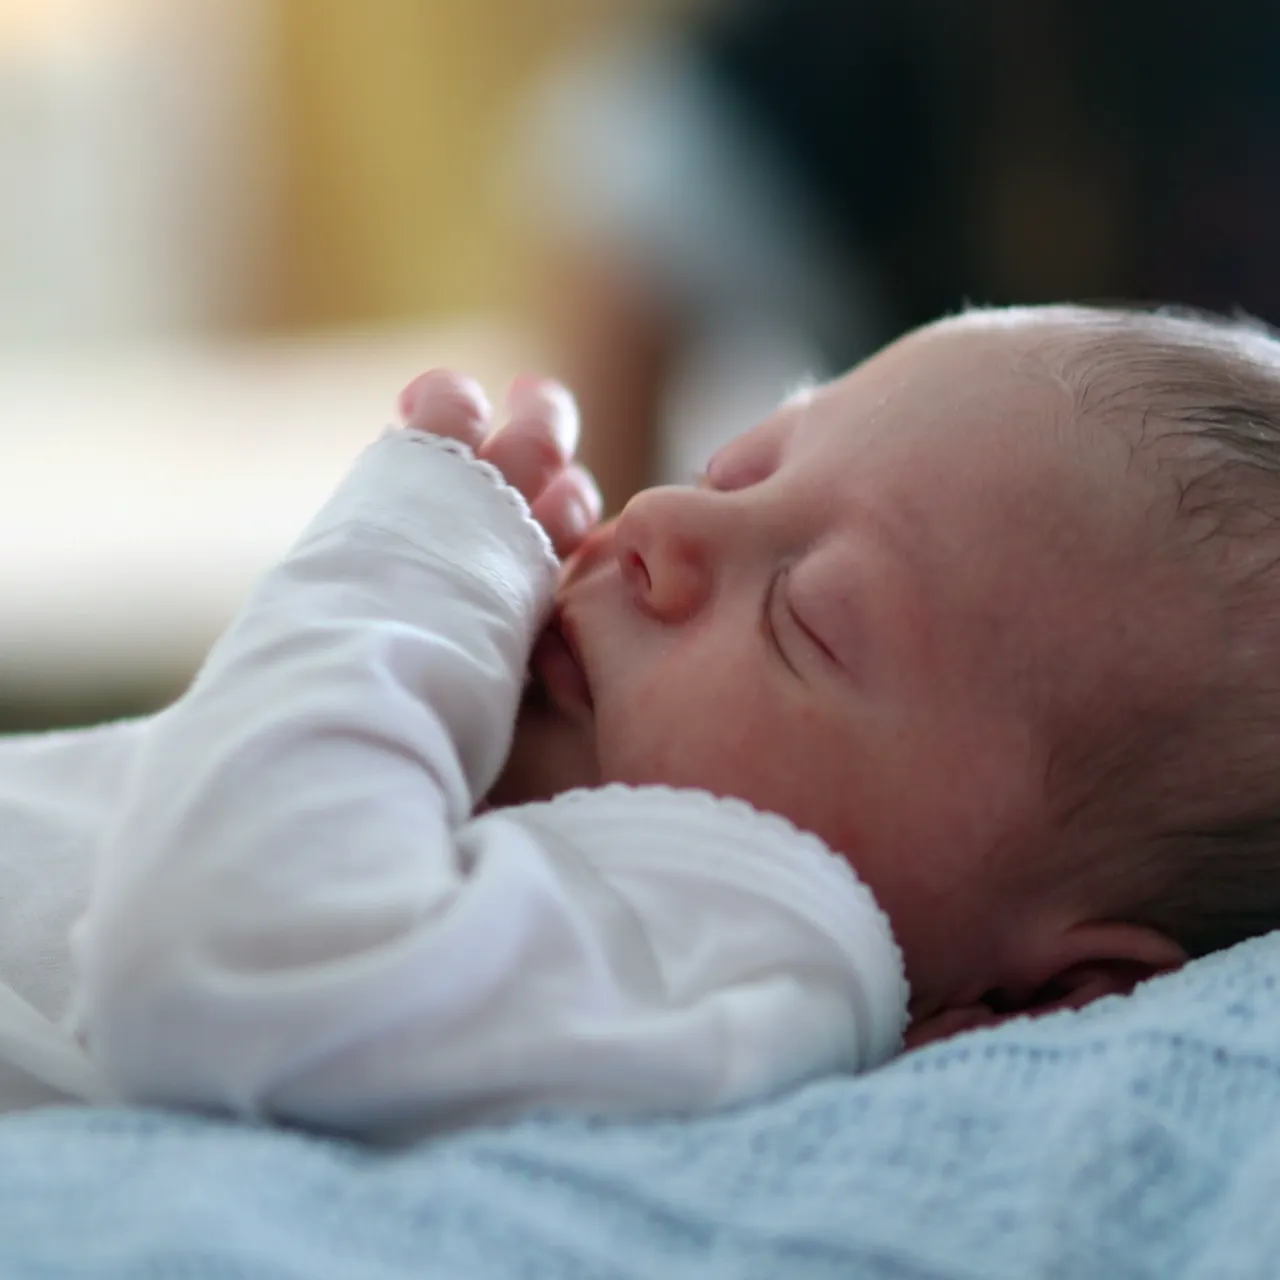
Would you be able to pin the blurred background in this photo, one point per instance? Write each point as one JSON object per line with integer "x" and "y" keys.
{"x": 230, "y": 230}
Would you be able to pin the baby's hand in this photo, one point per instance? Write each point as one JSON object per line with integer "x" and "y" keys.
{"x": 533, "y": 450}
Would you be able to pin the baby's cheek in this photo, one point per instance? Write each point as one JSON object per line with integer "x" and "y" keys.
{"x": 699, "y": 717}
{"x": 701, "y": 751}
{"x": 638, "y": 745}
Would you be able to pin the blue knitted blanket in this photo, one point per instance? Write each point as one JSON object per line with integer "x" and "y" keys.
{"x": 1139, "y": 1138}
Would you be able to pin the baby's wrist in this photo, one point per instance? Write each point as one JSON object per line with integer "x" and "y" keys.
{"x": 508, "y": 511}
{"x": 433, "y": 493}
{"x": 532, "y": 449}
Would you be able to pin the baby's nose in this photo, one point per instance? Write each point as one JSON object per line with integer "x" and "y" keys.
{"x": 665, "y": 559}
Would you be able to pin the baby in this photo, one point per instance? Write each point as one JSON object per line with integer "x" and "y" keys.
{"x": 951, "y": 678}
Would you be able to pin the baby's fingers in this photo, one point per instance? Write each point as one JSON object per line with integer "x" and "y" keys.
{"x": 538, "y": 441}
{"x": 568, "y": 509}
{"x": 447, "y": 404}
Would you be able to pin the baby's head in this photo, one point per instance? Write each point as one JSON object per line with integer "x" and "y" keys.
{"x": 995, "y": 615}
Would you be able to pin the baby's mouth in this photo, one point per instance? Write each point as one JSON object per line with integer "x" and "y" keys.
{"x": 556, "y": 665}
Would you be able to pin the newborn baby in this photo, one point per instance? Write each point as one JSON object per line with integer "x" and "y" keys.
{"x": 949, "y": 678}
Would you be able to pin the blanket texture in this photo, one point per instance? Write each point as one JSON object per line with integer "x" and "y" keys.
{"x": 1139, "y": 1138}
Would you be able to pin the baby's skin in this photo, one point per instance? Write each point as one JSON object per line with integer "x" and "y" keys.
{"x": 847, "y": 622}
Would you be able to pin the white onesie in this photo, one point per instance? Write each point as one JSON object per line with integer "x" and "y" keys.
{"x": 297, "y": 913}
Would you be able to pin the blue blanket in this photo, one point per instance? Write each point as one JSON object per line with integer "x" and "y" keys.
{"x": 1140, "y": 1138}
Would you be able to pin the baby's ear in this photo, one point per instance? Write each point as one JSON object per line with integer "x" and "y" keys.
{"x": 1083, "y": 964}
{"x": 1086, "y": 962}
{"x": 950, "y": 1022}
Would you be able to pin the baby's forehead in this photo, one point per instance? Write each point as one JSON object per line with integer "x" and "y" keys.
{"x": 1012, "y": 378}
{"x": 1117, "y": 389}
{"x": 1061, "y": 345}
{"x": 1111, "y": 408}
{"x": 1170, "y": 362}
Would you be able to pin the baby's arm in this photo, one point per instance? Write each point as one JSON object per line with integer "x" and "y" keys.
{"x": 298, "y": 916}
{"x": 286, "y": 879}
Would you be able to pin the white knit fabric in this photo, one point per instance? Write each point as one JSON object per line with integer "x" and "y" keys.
{"x": 295, "y": 911}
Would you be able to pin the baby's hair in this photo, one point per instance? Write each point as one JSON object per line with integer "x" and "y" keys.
{"x": 1199, "y": 398}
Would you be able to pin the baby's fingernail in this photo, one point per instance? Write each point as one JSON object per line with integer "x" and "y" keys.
{"x": 592, "y": 500}
{"x": 524, "y": 386}
{"x": 437, "y": 389}
{"x": 578, "y": 517}
{"x": 532, "y": 394}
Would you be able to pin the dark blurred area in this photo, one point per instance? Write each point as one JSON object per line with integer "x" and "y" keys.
{"x": 926, "y": 154}
{"x": 1006, "y": 151}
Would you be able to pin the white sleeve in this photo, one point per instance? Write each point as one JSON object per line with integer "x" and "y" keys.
{"x": 296, "y": 914}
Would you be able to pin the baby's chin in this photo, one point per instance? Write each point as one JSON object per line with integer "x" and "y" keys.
{"x": 551, "y": 752}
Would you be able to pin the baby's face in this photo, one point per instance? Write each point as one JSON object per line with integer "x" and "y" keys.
{"x": 842, "y": 624}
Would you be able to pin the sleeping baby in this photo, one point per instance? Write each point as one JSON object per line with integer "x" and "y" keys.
{"x": 944, "y": 696}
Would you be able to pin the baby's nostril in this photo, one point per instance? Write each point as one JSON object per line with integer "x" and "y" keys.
{"x": 637, "y": 571}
